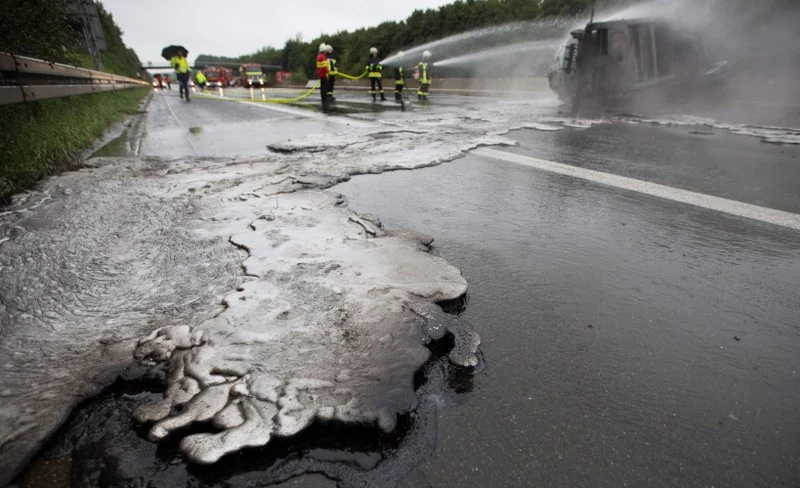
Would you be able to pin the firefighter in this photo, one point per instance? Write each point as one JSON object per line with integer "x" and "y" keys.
{"x": 332, "y": 71}
{"x": 201, "y": 81}
{"x": 375, "y": 70}
{"x": 323, "y": 74}
{"x": 424, "y": 76}
{"x": 181, "y": 66}
{"x": 399, "y": 80}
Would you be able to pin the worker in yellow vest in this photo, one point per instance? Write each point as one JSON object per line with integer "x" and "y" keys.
{"x": 181, "y": 66}
{"x": 375, "y": 72}
{"x": 399, "y": 80}
{"x": 424, "y": 77}
{"x": 201, "y": 80}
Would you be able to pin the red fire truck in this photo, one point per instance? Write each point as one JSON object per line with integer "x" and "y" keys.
{"x": 250, "y": 75}
{"x": 217, "y": 76}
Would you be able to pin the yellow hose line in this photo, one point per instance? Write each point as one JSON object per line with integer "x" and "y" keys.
{"x": 351, "y": 77}
{"x": 270, "y": 100}
{"x": 290, "y": 100}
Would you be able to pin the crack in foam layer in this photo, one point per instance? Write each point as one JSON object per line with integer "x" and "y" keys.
{"x": 329, "y": 329}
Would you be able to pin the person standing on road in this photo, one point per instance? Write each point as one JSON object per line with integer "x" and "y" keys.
{"x": 169, "y": 82}
{"x": 332, "y": 71}
{"x": 399, "y": 80}
{"x": 323, "y": 74}
{"x": 201, "y": 81}
{"x": 424, "y": 77}
{"x": 181, "y": 66}
{"x": 375, "y": 70}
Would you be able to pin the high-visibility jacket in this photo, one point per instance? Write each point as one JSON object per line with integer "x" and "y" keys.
{"x": 201, "y": 78}
{"x": 322, "y": 66}
{"x": 332, "y": 69}
{"x": 424, "y": 73}
{"x": 374, "y": 68}
{"x": 179, "y": 64}
{"x": 399, "y": 76}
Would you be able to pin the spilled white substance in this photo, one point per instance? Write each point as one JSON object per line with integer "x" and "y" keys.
{"x": 774, "y": 135}
{"x": 325, "y": 330}
{"x": 329, "y": 326}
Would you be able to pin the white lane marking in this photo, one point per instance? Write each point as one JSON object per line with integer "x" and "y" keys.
{"x": 183, "y": 129}
{"x": 733, "y": 207}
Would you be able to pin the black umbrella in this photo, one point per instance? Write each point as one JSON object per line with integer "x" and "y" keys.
{"x": 170, "y": 51}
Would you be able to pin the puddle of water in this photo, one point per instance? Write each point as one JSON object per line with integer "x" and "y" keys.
{"x": 118, "y": 147}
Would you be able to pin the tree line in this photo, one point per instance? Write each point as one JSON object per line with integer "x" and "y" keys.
{"x": 47, "y": 30}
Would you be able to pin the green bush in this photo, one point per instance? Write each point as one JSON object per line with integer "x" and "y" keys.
{"x": 42, "y": 138}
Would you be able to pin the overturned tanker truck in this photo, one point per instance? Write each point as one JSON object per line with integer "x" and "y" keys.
{"x": 623, "y": 62}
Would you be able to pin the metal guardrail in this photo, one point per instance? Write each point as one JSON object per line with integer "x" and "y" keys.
{"x": 24, "y": 79}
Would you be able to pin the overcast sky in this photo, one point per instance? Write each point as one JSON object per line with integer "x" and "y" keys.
{"x": 236, "y": 27}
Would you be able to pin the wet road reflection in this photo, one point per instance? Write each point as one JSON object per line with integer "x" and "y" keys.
{"x": 629, "y": 340}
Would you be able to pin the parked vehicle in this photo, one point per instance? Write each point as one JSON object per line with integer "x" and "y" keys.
{"x": 250, "y": 75}
{"x": 217, "y": 76}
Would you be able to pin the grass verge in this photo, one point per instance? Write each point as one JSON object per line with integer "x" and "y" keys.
{"x": 41, "y": 138}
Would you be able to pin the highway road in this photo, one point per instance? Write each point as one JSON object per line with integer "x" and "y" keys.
{"x": 633, "y": 279}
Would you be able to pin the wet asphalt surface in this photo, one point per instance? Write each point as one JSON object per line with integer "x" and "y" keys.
{"x": 629, "y": 340}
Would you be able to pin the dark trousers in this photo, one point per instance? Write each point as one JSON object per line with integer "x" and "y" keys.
{"x": 398, "y": 90}
{"x": 183, "y": 81}
{"x": 324, "y": 88}
{"x": 331, "y": 84}
{"x": 422, "y": 92}
{"x": 373, "y": 82}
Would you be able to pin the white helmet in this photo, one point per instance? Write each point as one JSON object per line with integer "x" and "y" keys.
{"x": 426, "y": 55}
{"x": 323, "y": 47}
{"x": 329, "y": 48}
{"x": 373, "y": 50}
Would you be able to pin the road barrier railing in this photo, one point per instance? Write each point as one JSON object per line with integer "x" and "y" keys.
{"x": 24, "y": 79}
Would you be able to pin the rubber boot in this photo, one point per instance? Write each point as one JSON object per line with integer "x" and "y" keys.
{"x": 383, "y": 98}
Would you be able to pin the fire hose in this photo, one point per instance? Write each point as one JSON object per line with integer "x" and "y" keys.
{"x": 295, "y": 99}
